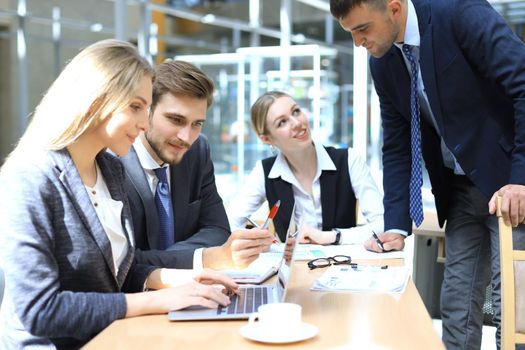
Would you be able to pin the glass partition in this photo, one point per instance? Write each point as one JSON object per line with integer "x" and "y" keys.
{"x": 241, "y": 77}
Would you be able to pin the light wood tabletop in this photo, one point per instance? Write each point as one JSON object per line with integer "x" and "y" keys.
{"x": 345, "y": 321}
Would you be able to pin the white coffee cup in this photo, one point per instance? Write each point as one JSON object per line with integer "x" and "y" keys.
{"x": 277, "y": 316}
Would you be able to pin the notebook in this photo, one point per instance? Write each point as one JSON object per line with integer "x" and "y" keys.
{"x": 264, "y": 267}
{"x": 250, "y": 296}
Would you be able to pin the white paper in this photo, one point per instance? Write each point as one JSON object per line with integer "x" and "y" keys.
{"x": 355, "y": 251}
{"x": 392, "y": 279}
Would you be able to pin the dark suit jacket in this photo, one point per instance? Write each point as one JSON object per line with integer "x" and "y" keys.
{"x": 473, "y": 69}
{"x": 200, "y": 217}
{"x": 61, "y": 287}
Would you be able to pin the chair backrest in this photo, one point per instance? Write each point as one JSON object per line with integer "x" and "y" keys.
{"x": 512, "y": 266}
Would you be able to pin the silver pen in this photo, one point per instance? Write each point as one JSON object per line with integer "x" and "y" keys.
{"x": 250, "y": 220}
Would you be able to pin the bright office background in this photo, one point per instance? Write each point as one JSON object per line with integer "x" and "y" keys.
{"x": 246, "y": 46}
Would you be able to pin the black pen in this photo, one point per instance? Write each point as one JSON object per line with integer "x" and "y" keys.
{"x": 378, "y": 241}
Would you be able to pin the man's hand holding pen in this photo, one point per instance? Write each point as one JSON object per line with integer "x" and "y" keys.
{"x": 270, "y": 217}
{"x": 241, "y": 249}
{"x": 385, "y": 242}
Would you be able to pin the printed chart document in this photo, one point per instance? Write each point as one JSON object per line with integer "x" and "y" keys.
{"x": 344, "y": 278}
{"x": 302, "y": 251}
{"x": 355, "y": 251}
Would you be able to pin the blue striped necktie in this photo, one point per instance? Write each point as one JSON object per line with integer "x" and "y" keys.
{"x": 416, "y": 173}
{"x": 164, "y": 209}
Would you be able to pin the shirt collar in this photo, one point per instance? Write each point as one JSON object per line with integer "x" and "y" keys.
{"x": 412, "y": 36}
{"x": 145, "y": 159}
{"x": 281, "y": 169}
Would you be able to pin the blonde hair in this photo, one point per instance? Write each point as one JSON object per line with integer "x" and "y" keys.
{"x": 99, "y": 81}
{"x": 259, "y": 110}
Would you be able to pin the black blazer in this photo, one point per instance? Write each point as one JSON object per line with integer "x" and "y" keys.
{"x": 200, "y": 217}
{"x": 473, "y": 69}
{"x": 337, "y": 196}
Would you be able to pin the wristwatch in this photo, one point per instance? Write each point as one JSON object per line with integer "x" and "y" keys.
{"x": 337, "y": 236}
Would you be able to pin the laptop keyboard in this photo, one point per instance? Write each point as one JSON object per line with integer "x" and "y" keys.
{"x": 247, "y": 301}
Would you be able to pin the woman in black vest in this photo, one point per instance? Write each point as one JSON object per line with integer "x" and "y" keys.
{"x": 323, "y": 182}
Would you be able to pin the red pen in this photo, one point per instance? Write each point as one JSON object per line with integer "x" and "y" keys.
{"x": 272, "y": 214}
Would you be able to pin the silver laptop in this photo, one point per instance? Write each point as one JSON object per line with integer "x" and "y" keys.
{"x": 250, "y": 296}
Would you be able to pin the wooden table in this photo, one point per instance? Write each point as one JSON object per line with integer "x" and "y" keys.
{"x": 345, "y": 321}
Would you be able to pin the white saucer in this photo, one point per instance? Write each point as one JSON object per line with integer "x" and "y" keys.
{"x": 261, "y": 334}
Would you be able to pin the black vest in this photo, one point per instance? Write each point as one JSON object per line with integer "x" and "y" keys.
{"x": 338, "y": 200}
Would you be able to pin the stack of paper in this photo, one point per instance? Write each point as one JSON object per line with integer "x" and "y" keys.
{"x": 392, "y": 279}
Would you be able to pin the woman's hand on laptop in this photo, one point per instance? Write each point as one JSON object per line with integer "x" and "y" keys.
{"x": 206, "y": 288}
{"x": 207, "y": 276}
{"x": 165, "y": 300}
{"x": 169, "y": 278}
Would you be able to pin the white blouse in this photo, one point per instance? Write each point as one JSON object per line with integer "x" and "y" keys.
{"x": 308, "y": 208}
{"x": 109, "y": 212}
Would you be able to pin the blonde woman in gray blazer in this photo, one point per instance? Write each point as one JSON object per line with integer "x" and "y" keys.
{"x": 66, "y": 235}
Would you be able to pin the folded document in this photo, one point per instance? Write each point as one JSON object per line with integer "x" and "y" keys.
{"x": 389, "y": 279}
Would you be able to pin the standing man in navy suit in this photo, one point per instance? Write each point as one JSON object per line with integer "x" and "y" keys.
{"x": 450, "y": 75}
{"x": 199, "y": 233}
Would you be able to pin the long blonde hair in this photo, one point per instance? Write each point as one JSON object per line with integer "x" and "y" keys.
{"x": 97, "y": 82}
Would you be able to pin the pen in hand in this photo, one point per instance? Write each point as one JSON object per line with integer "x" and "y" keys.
{"x": 272, "y": 214}
{"x": 378, "y": 241}
{"x": 250, "y": 220}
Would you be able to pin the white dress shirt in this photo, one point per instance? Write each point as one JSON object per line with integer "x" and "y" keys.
{"x": 149, "y": 164}
{"x": 308, "y": 208}
{"x": 109, "y": 212}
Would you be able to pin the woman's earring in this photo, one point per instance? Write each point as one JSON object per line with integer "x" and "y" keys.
{"x": 273, "y": 150}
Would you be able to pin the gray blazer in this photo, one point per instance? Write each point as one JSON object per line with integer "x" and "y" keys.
{"x": 200, "y": 217}
{"x": 61, "y": 287}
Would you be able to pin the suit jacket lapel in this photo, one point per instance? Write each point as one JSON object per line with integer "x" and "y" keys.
{"x": 138, "y": 177}
{"x": 428, "y": 72}
{"x": 75, "y": 188}
{"x": 400, "y": 77}
{"x": 180, "y": 195}
{"x": 116, "y": 192}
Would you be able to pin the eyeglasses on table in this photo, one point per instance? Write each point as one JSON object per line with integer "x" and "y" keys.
{"x": 332, "y": 260}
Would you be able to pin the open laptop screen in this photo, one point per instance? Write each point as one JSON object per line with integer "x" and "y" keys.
{"x": 283, "y": 274}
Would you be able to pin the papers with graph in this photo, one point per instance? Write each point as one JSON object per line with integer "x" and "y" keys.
{"x": 355, "y": 251}
{"x": 345, "y": 278}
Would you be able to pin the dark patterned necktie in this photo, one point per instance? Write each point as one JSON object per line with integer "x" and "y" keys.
{"x": 416, "y": 173}
{"x": 164, "y": 209}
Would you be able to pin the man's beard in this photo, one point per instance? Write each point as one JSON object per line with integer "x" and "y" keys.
{"x": 157, "y": 148}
